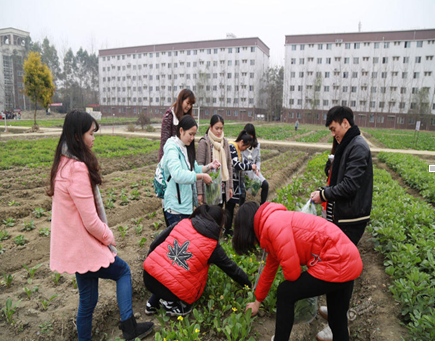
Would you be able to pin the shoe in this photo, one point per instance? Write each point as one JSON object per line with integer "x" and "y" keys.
{"x": 273, "y": 338}
{"x": 326, "y": 334}
{"x": 132, "y": 330}
{"x": 176, "y": 308}
{"x": 323, "y": 311}
{"x": 151, "y": 310}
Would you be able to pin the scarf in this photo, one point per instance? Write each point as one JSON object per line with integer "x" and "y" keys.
{"x": 350, "y": 134}
{"x": 219, "y": 153}
{"x": 99, "y": 205}
{"x": 238, "y": 150}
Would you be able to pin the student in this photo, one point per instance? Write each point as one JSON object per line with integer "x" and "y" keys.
{"x": 80, "y": 237}
{"x": 180, "y": 165}
{"x": 296, "y": 125}
{"x": 178, "y": 277}
{"x": 214, "y": 146}
{"x": 295, "y": 239}
{"x": 239, "y": 164}
{"x": 183, "y": 106}
{"x": 350, "y": 188}
{"x": 253, "y": 155}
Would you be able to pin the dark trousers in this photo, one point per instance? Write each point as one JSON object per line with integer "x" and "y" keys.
{"x": 264, "y": 191}
{"x": 229, "y": 212}
{"x": 158, "y": 289}
{"x": 337, "y": 297}
{"x": 354, "y": 232}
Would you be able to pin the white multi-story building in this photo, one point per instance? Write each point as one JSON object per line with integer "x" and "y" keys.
{"x": 386, "y": 78}
{"x": 12, "y": 53}
{"x": 225, "y": 76}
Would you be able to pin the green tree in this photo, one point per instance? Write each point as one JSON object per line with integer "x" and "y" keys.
{"x": 38, "y": 81}
{"x": 273, "y": 80}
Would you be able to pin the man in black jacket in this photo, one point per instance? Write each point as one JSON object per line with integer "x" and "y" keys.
{"x": 350, "y": 189}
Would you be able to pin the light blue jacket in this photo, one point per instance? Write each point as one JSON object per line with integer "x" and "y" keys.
{"x": 175, "y": 164}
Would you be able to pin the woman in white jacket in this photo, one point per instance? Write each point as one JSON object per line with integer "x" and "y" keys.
{"x": 253, "y": 155}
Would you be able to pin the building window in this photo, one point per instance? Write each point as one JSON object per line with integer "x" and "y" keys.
{"x": 320, "y": 46}
{"x": 354, "y": 89}
{"x": 326, "y": 88}
{"x": 356, "y": 46}
{"x": 374, "y": 75}
{"x": 228, "y": 112}
{"x": 383, "y": 75}
{"x": 418, "y": 60}
{"x": 404, "y": 75}
{"x": 293, "y": 47}
{"x": 230, "y": 50}
{"x": 301, "y": 60}
{"x": 252, "y": 48}
{"x": 407, "y": 44}
{"x": 327, "y": 74}
{"x": 328, "y": 60}
{"x": 319, "y": 60}
{"x": 373, "y": 89}
{"x": 356, "y": 60}
{"x": 345, "y": 88}
{"x": 376, "y": 45}
{"x": 386, "y": 45}
{"x": 375, "y": 60}
{"x": 302, "y": 47}
{"x": 420, "y": 43}
{"x": 347, "y": 46}
{"x": 384, "y": 60}
{"x": 346, "y": 60}
{"x": 301, "y": 75}
{"x": 354, "y": 74}
{"x": 416, "y": 75}
{"x": 353, "y": 103}
{"x": 329, "y": 46}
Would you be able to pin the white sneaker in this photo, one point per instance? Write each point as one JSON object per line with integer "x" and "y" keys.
{"x": 325, "y": 334}
{"x": 323, "y": 311}
{"x": 273, "y": 338}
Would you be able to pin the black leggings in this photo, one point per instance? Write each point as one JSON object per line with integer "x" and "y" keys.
{"x": 337, "y": 297}
{"x": 264, "y": 191}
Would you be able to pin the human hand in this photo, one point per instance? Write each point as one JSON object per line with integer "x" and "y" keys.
{"x": 254, "y": 306}
{"x": 315, "y": 197}
{"x": 200, "y": 198}
{"x": 214, "y": 165}
{"x": 230, "y": 193}
{"x": 206, "y": 178}
{"x": 254, "y": 167}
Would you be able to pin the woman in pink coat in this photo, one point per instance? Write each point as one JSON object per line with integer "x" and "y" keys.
{"x": 291, "y": 240}
{"x": 81, "y": 242}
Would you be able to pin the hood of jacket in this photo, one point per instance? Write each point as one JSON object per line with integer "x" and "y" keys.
{"x": 261, "y": 217}
{"x": 206, "y": 227}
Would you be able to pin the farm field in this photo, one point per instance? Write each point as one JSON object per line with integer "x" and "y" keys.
{"x": 48, "y": 302}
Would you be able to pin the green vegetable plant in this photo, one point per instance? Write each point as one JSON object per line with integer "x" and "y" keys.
{"x": 31, "y": 271}
{"x": 46, "y": 328}
{"x": 8, "y": 279}
{"x": 156, "y": 225}
{"x": 45, "y": 231}
{"x": 151, "y": 215}
{"x": 123, "y": 231}
{"x": 28, "y": 226}
{"x": 2, "y": 250}
{"x": 142, "y": 242}
{"x": 134, "y": 195}
{"x": 9, "y": 222}
{"x": 4, "y": 235}
{"x": 137, "y": 225}
{"x": 74, "y": 283}
{"x": 56, "y": 278}
{"x": 124, "y": 199}
{"x": 20, "y": 240}
{"x": 9, "y": 310}
{"x": 39, "y": 212}
{"x": 29, "y": 292}
{"x": 13, "y": 203}
{"x": 46, "y": 303}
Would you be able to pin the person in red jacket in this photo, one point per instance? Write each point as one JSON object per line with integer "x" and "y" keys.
{"x": 176, "y": 267}
{"x": 295, "y": 239}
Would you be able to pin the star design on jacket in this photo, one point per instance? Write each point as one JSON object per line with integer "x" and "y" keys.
{"x": 179, "y": 254}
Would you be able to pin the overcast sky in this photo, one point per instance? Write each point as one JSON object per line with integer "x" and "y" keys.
{"x": 97, "y": 24}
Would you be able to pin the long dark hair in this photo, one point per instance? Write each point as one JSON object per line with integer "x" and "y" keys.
{"x": 244, "y": 238}
{"x": 245, "y": 137}
{"x": 215, "y": 119}
{"x": 210, "y": 212}
{"x": 76, "y": 124}
{"x": 250, "y": 129}
{"x": 186, "y": 123}
{"x": 178, "y": 105}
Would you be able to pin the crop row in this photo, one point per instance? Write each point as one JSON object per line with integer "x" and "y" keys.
{"x": 33, "y": 153}
{"x": 413, "y": 170}
{"x": 400, "y": 139}
{"x": 404, "y": 229}
{"x": 58, "y": 122}
{"x": 314, "y": 137}
{"x": 279, "y": 162}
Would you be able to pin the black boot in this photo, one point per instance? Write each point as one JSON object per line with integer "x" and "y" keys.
{"x": 131, "y": 329}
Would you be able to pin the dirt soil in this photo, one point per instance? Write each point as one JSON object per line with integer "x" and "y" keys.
{"x": 377, "y": 315}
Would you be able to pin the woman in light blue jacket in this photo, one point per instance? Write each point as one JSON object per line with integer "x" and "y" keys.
{"x": 182, "y": 171}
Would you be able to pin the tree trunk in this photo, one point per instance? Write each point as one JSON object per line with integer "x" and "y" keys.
{"x": 36, "y": 107}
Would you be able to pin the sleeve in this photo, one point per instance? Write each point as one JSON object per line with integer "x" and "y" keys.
{"x": 258, "y": 161}
{"x": 229, "y": 165}
{"x": 266, "y": 278}
{"x": 220, "y": 258}
{"x": 166, "y": 131}
{"x": 198, "y": 168}
{"x": 237, "y": 164}
{"x": 201, "y": 155}
{"x": 81, "y": 192}
{"x": 179, "y": 175}
{"x": 161, "y": 237}
{"x": 356, "y": 166}
{"x": 327, "y": 167}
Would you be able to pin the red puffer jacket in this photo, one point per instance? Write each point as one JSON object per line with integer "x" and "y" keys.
{"x": 181, "y": 261}
{"x": 292, "y": 239}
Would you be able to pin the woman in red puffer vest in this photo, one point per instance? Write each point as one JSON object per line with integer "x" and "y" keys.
{"x": 291, "y": 240}
{"x": 176, "y": 268}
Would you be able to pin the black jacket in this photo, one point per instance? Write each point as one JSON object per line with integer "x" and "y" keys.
{"x": 218, "y": 257}
{"x": 352, "y": 195}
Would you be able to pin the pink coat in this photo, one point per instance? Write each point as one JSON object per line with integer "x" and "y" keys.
{"x": 292, "y": 239}
{"x": 79, "y": 239}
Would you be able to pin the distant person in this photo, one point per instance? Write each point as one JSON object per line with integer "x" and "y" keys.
{"x": 183, "y": 106}
{"x": 296, "y": 125}
{"x": 178, "y": 280}
{"x": 81, "y": 242}
{"x": 350, "y": 188}
{"x": 253, "y": 154}
{"x": 179, "y": 163}
{"x": 295, "y": 239}
{"x": 214, "y": 146}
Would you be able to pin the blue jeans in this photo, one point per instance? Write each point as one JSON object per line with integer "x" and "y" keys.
{"x": 175, "y": 218}
{"x": 87, "y": 283}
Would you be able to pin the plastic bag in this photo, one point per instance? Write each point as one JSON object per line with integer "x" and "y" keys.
{"x": 306, "y": 310}
{"x": 213, "y": 191}
{"x": 309, "y": 208}
{"x": 253, "y": 185}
